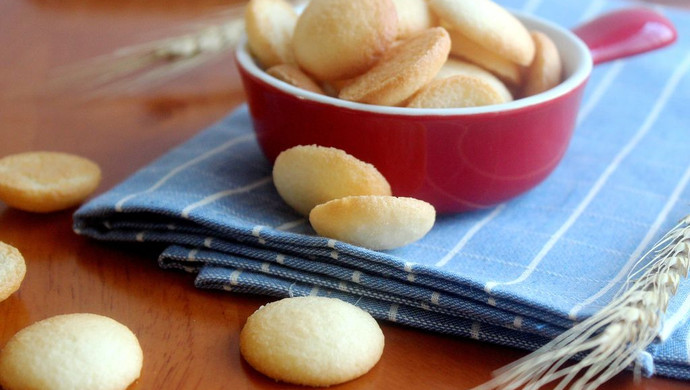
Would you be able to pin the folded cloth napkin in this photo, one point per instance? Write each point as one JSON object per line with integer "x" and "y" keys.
{"x": 518, "y": 274}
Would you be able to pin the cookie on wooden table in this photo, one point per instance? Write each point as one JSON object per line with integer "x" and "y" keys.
{"x": 71, "y": 352}
{"x": 12, "y": 270}
{"x": 313, "y": 341}
{"x": 46, "y": 181}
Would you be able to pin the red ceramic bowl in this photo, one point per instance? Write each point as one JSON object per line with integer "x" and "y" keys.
{"x": 456, "y": 159}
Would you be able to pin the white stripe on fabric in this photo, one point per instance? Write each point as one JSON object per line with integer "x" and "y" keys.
{"x": 393, "y": 312}
{"x": 600, "y": 90}
{"x": 468, "y": 236}
{"x": 435, "y": 297}
{"x": 256, "y": 231}
{"x": 530, "y": 6}
{"x": 218, "y": 195}
{"x": 182, "y": 167}
{"x": 476, "y": 329}
{"x": 599, "y": 184}
{"x": 632, "y": 260}
{"x": 670, "y": 324}
{"x": 291, "y": 224}
{"x": 593, "y": 9}
{"x": 517, "y": 322}
{"x": 234, "y": 277}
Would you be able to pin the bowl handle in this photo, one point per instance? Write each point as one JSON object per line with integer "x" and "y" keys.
{"x": 626, "y": 32}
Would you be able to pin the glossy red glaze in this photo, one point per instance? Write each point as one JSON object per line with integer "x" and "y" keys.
{"x": 626, "y": 32}
{"x": 456, "y": 159}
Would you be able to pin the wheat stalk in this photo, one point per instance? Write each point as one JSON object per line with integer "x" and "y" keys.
{"x": 612, "y": 339}
{"x": 131, "y": 68}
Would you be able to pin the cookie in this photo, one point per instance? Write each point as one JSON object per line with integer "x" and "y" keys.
{"x": 308, "y": 175}
{"x": 295, "y": 77}
{"x": 313, "y": 341}
{"x": 457, "y": 91}
{"x": 489, "y": 25}
{"x": 374, "y": 222}
{"x": 71, "y": 352}
{"x": 340, "y": 39}
{"x": 504, "y": 69}
{"x": 414, "y": 16}
{"x": 46, "y": 181}
{"x": 12, "y": 270}
{"x": 403, "y": 71}
{"x": 454, "y": 67}
{"x": 545, "y": 71}
{"x": 269, "y": 25}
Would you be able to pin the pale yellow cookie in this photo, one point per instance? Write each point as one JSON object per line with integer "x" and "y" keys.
{"x": 504, "y": 69}
{"x": 545, "y": 71}
{"x": 403, "y": 71}
{"x": 457, "y": 91}
{"x": 414, "y": 16}
{"x": 12, "y": 270}
{"x": 454, "y": 67}
{"x": 489, "y": 25}
{"x": 71, "y": 352}
{"x": 295, "y": 77}
{"x": 313, "y": 341}
{"x": 46, "y": 181}
{"x": 308, "y": 175}
{"x": 374, "y": 222}
{"x": 270, "y": 25}
{"x": 339, "y": 39}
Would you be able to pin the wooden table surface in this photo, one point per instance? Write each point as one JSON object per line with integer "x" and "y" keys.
{"x": 189, "y": 336}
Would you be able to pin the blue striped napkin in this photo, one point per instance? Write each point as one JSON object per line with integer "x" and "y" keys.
{"x": 518, "y": 274}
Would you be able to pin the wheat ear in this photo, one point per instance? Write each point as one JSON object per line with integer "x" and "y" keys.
{"x": 613, "y": 338}
{"x": 133, "y": 67}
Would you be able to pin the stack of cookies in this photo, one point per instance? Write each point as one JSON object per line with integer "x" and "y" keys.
{"x": 407, "y": 53}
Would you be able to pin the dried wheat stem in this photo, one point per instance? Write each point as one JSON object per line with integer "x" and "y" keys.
{"x": 612, "y": 339}
{"x": 134, "y": 67}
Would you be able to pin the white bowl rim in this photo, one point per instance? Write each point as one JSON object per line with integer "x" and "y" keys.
{"x": 575, "y": 55}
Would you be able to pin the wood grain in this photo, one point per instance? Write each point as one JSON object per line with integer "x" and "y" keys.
{"x": 189, "y": 336}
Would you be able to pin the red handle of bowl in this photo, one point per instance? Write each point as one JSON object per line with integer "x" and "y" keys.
{"x": 626, "y": 32}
